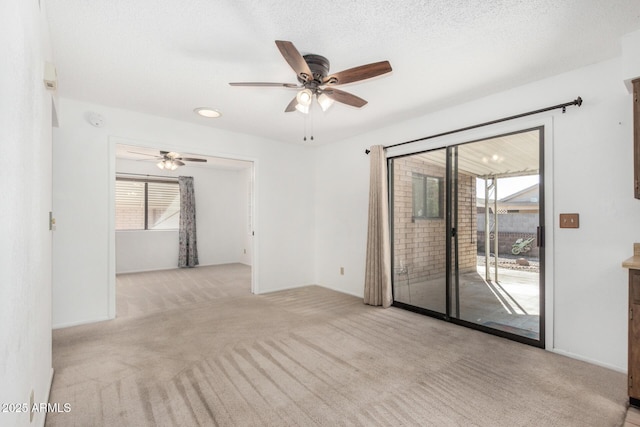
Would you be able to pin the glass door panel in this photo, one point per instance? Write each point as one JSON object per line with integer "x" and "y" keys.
{"x": 419, "y": 230}
{"x": 498, "y": 217}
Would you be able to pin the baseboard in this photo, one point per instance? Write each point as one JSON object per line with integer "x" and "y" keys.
{"x": 176, "y": 268}
{"x": 284, "y": 288}
{"x": 46, "y": 398}
{"x": 81, "y": 322}
{"x": 342, "y": 291}
{"x": 588, "y": 360}
{"x": 148, "y": 270}
{"x": 287, "y": 288}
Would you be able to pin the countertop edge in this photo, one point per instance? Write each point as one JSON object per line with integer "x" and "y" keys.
{"x": 632, "y": 263}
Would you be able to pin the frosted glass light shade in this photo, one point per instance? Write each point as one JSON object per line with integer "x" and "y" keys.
{"x": 324, "y": 101}
{"x": 304, "y": 97}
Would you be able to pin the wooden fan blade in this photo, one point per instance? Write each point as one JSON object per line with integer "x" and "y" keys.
{"x": 356, "y": 74}
{"x": 292, "y": 105}
{"x": 345, "y": 97}
{"x": 178, "y": 162}
{"x": 143, "y": 154}
{"x": 265, "y": 84}
{"x": 294, "y": 59}
{"x": 191, "y": 159}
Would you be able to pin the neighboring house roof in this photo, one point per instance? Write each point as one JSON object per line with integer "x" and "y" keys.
{"x": 528, "y": 195}
{"x": 527, "y": 199}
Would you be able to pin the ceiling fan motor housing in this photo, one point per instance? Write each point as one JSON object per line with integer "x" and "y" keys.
{"x": 319, "y": 66}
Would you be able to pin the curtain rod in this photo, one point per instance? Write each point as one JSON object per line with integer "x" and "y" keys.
{"x": 577, "y": 101}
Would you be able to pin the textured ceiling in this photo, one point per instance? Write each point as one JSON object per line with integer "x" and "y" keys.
{"x": 166, "y": 57}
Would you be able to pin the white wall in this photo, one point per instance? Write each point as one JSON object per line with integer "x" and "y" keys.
{"x": 591, "y": 173}
{"x": 246, "y": 206}
{"x": 221, "y": 221}
{"x": 84, "y": 248}
{"x": 25, "y": 246}
{"x": 151, "y": 250}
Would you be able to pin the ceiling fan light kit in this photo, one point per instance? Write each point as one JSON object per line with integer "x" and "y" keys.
{"x": 324, "y": 101}
{"x": 167, "y": 164}
{"x": 312, "y": 72}
{"x": 170, "y": 160}
{"x": 304, "y": 97}
{"x": 304, "y": 109}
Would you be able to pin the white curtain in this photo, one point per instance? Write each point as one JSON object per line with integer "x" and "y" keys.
{"x": 377, "y": 281}
{"x": 188, "y": 249}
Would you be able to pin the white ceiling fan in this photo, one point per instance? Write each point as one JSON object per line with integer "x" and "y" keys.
{"x": 170, "y": 160}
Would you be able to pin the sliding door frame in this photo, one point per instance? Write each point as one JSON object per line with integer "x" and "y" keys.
{"x": 452, "y": 267}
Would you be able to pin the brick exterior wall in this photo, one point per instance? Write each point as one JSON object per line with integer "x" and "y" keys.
{"x": 420, "y": 244}
{"x": 467, "y": 224}
{"x": 129, "y": 218}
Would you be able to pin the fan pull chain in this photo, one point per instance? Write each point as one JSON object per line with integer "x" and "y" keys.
{"x": 305, "y": 128}
{"x": 306, "y": 117}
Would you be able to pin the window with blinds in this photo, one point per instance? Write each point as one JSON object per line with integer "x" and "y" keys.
{"x": 427, "y": 196}
{"x": 147, "y": 205}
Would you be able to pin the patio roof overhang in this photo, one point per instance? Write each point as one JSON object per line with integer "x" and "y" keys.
{"x": 501, "y": 157}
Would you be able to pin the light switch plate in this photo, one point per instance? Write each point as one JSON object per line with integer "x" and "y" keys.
{"x": 571, "y": 220}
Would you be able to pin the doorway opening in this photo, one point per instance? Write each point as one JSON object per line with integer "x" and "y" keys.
{"x": 146, "y": 205}
{"x": 468, "y": 234}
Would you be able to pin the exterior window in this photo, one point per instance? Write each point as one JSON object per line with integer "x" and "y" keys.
{"x": 147, "y": 205}
{"x": 427, "y": 196}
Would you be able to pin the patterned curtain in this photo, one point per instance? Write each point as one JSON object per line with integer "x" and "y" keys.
{"x": 188, "y": 252}
{"x": 377, "y": 279}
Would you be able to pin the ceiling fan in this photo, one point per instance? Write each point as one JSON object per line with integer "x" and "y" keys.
{"x": 170, "y": 160}
{"x": 314, "y": 79}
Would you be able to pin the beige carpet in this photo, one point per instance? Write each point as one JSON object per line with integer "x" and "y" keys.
{"x": 194, "y": 347}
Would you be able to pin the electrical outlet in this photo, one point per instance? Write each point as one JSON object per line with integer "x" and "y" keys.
{"x": 342, "y": 271}
{"x": 31, "y": 402}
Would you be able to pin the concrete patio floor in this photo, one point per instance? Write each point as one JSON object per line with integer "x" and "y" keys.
{"x": 511, "y": 304}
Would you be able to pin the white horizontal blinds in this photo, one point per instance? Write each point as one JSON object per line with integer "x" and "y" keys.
{"x": 163, "y": 205}
{"x": 136, "y": 199}
{"x": 433, "y": 197}
{"x": 129, "y": 205}
{"x": 418, "y": 196}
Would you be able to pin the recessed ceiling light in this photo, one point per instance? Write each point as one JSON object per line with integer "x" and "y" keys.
{"x": 208, "y": 112}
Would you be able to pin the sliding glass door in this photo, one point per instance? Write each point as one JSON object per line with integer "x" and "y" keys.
{"x": 419, "y": 230}
{"x": 467, "y": 225}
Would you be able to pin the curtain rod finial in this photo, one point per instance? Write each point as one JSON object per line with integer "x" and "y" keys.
{"x": 578, "y": 101}
{"x": 367, "y": 151}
